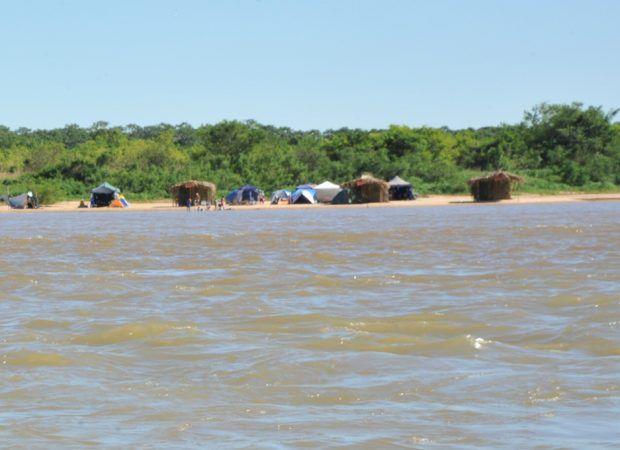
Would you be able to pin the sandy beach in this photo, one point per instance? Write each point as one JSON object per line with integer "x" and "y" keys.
{"x": 431, "y": 200}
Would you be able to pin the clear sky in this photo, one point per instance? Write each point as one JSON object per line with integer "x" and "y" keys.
{"x": 304, "y": 64}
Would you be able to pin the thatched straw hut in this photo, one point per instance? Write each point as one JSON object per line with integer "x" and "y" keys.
{"x": 368, "y": 189}
{"x": 493, "y": 187}
{"x": 187, "y": 189}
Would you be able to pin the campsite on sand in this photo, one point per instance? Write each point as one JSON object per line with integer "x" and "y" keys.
{"x": 365, "y": 191}
{"x": 431, "y": 200}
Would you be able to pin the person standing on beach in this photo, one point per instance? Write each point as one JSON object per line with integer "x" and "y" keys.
{"x": 188, "y": 204}
{"x": 197, "y": 201}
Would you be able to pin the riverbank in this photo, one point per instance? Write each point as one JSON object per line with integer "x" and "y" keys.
{"x": 431, "y": 200}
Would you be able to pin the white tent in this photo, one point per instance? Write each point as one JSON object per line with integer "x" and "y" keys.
{"x": 326, "y": 191}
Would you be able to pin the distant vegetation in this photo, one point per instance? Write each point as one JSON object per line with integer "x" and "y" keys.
{"x": 556, "y": 147}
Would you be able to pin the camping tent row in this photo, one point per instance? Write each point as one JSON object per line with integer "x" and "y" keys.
{"x": 308, "y": 194}
{"x": 185, "y": 192}
{"x": 365, "y": 189}
{"x": 368, "y": 189}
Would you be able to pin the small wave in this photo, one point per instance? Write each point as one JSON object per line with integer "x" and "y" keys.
{"x": 45, "y": 324}
{"x": 34, "y": 359}
{"x": 124, "y": 333}
{"x": 416, "y": 324}
{"x": 398, "y": 345}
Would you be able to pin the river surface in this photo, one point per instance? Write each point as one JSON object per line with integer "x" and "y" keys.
{"x": 441, "y": 327}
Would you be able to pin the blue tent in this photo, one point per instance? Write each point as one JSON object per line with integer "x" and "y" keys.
{"x": 247, "y": 193}
{"x": 305, "y": 195}
{"x": 232, "y": 196}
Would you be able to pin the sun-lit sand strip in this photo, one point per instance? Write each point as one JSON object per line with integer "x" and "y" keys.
{"x": 431, "y": 200}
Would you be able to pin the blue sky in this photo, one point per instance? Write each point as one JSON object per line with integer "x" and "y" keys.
{"x": 304, "y": 64}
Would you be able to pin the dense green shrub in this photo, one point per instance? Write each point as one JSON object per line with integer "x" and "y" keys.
{"x": 556, "y": 147}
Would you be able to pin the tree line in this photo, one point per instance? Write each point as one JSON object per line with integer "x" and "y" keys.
{"x": 556, "y": 147}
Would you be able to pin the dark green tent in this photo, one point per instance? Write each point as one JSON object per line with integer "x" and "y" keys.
{"x": 342, "y": 198}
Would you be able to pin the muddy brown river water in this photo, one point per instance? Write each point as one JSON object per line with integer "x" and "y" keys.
{"x": 461, "y": 326}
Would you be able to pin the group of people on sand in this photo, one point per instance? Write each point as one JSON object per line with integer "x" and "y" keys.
{"x": 205, "y": 205}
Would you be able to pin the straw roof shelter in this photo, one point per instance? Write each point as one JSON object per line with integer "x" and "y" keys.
{"x": 495, "y": 186}
{"x": 368, "y": 189}
{"x": 187, "y": 189}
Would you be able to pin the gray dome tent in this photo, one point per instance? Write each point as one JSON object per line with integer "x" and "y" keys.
{"x": 281, "y": 195}
{"x": 23, "y": 201}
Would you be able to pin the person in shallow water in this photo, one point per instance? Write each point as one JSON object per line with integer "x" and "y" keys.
{"x": 188, "y": 204}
